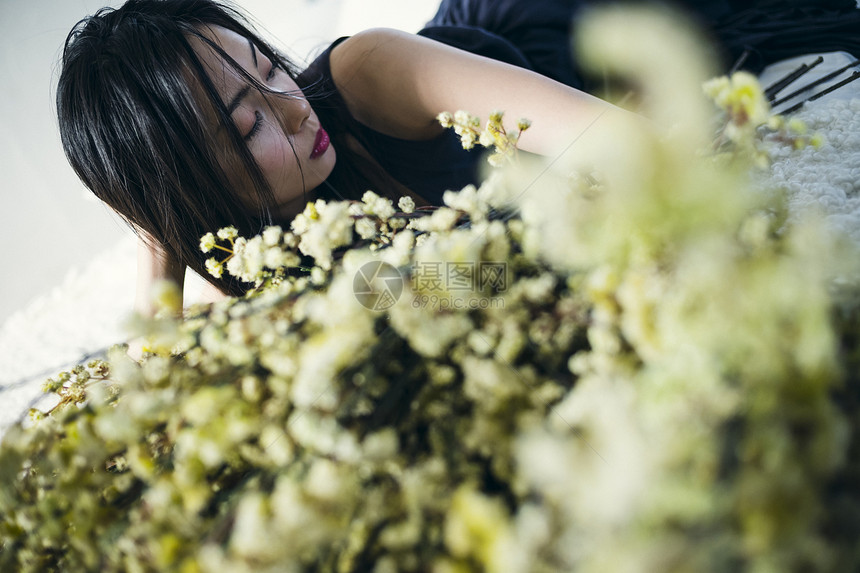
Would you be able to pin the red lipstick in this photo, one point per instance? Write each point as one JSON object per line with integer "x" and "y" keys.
{"x": 321, "y": 143}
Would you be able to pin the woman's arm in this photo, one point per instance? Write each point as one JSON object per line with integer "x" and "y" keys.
{"x": 153, "y": 265}
{"x": 397, "y": 83}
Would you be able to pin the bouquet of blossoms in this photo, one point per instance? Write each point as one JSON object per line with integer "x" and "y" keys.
{"x": 627, "y": 361}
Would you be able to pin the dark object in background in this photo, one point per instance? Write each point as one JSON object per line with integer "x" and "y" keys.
{"x": 759, "y": 32}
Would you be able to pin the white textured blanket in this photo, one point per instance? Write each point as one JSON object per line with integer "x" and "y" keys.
{"x": 825, "y": 179}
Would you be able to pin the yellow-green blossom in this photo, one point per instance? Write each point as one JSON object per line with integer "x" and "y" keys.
{"x": 406, "y": 204}
{"x": 214, "y": 267}
{"x": 228, "y": 233}
{"x": 207, "y": 242}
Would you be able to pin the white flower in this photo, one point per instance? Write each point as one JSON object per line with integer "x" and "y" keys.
{"x": 401, "y": 249}
{"x": 332, "y": 229}
{"x": 166, "y": 296}
{"x": 373, "y": 204}
{"x": 299, "y": 224}
{"x": 251, "y": 533}
{"x": 318, "y": 276}
{"x": 445, "y": 119}
{"x": 442, "y": 219}
{"x": 365, "y": 227}
{"x": 291, "y": 240}
{"x": 428, "y": 333}
{"x": 275, "y": 258}
{"x": 468, "y": 140}
{"x": 236, "y": 263}
{"x": 383, "y": 208}
{"x": 253, "y": 259}
{"x": 380, "y": 445}
{"x": 214, "y": 268}
{"x": 406, "y": 204}
{"x": 462, "y": 117}
{"x": 207, "y": 242}
{"x": 272, "y": 235}
{"x": 316, "y": 208}
{"x": 404, "y": 241}
{"x": 228, "y": 233}
{"x": 717, "y": 89}
{"x": 742, "y": 96}
{"x": 466, "y": 200}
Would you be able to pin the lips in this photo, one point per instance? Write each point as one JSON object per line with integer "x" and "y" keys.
{"x": 321, "y": 143}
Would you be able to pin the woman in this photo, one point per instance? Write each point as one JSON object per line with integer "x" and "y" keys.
{"x": 182, "y": 119}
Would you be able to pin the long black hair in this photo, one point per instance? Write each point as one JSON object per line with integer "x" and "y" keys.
{"x": 135, "y": 133}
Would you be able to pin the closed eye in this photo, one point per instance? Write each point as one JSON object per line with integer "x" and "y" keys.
{"x": 258, "y": 123}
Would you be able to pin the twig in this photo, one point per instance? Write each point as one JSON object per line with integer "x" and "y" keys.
{"x": 817, "y": 82}
{"x": 781, "y": 84}
{"x": 743, "y": 58}
{"x": 834, "y": 87}
{"x": 99, "y": 353}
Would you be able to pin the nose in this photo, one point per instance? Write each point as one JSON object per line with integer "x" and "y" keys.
{"x": 294, "y": 111}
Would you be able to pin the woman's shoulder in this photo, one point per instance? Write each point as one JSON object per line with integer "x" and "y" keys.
{"x": 369, "y": 57}
{"x": 352, "y": 49}
{"x": 348, "y": 54}
{"x": 378, "y": 73}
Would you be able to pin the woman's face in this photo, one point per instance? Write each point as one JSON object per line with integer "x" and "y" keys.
{"x": 283, "y": 133}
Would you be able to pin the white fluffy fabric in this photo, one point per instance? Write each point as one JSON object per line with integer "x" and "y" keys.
{"x": 825, "y": 180}
{"x": 82, "y": 315}
{"x": 86, "y": 313}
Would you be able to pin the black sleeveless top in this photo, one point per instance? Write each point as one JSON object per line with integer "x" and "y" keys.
{"x": 427, "y": 167}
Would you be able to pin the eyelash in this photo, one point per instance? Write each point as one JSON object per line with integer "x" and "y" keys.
{"x": 258, "y": 117}
{"x": 258, "y": 122}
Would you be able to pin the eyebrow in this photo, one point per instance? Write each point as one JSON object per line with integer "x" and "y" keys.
{"x": 237, "y": 99}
